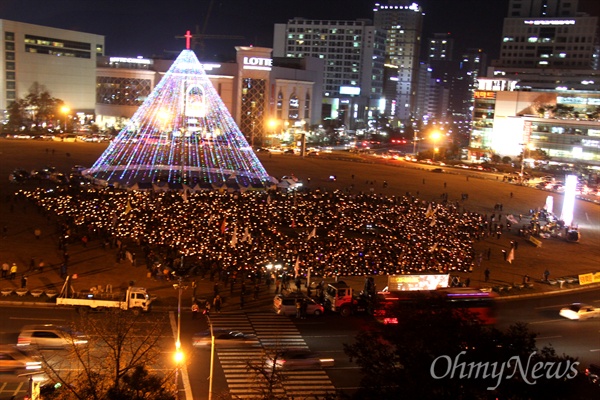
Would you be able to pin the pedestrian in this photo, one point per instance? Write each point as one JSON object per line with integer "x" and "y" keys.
{"x": 13, "y": 271}
{"x": 504, "y": 254}
{"x": 63, "y": 271}
{"x": 5, "y": 269}
{"x": 243, "y": 288}
{"x": 37, "y": 232}
{"x": 216, "y": 289}
{"x": 303, "y": 309}
{"x": 217, "y": 303}
{"x": 207, "y": 308}
{"x": 42, "y": 264}
{"x": 546, "y": 275}
{"x": 194, "y": 288}
{"x": 487, "y": 274}
{"x": 525, "y": 279}
{"x": 467, "y": 282}
{"x": 277, "y": 286}
{"x": 256, "y": 291}
{"x": 444, "y": 185}
{"x": 195, "y": 310}
{"x": 298, "y": 308}
{"x": 489, "y": 253}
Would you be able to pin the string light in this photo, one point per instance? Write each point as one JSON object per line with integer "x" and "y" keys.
{"x": 182, "y": 133}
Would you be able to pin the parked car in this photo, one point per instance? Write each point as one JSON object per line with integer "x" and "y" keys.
{"x": 578, "y": 311}
{"x": 438, "y": 170}
{"x": 14, "y": 359}
{"x": 49, "y": 336}
{"x": 286, "y": 305}
{"x": 298, "y": 360}
{"x": 224, "y": 338}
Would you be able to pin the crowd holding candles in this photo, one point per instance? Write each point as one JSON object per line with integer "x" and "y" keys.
{"x": 332, "y": 233}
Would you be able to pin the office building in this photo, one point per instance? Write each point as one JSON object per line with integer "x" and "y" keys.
{"x": 62, "y": 61}
{"x": 403, "y": 22}
{"x": 353, "y": 53}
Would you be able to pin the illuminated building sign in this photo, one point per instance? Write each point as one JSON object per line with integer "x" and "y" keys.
{"x": 578, "y": 100}
{"x": 144, "y": 61}
{"x": 263, "y": 64}
{"x": 550, "y": 22}
{"x": 480, "y": 94}
{"x": 351, "y": 90}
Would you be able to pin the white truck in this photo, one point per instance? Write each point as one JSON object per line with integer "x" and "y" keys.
{"x": 135, "y": 298}
{"x": 340, "y": 298}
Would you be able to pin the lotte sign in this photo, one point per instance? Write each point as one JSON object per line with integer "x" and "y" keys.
{"x": 259, "y": 63}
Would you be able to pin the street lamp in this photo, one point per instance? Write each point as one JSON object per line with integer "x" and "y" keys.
{"x": 179, "y": 356}
{"x": 435, "y": 136}
{"x": 212, "y": 357}
{"x": 65, "y": 110}
{"x": 527, "y": 147}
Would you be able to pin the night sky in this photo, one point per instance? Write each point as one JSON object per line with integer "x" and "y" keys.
{"x": 149, "y": 27}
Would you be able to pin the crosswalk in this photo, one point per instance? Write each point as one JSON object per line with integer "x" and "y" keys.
{"x": 244, "y": 367}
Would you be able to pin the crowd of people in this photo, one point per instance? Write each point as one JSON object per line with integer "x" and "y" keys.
{"x": 331, "y": 233}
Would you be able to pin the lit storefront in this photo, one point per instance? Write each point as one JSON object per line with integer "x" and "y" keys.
{"x": 563, "y": 125}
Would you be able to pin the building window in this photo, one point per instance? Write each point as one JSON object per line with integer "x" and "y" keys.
{"x": 293, "y": 107}
{"x": 10, "y": 65}
{"x": 10, "y": 75}
{"x": 307, "y": 106}
{"x": 9, "y": 36}
{"x": 11, "y": 95}
{"x": 280, "y": 105}
{"x": 9, "y": 46}
{"x": 9, "y": 55}
{"x": 122, "y": 91}
{"x": 253, "y": 109}
{"x": 11, "y": 85}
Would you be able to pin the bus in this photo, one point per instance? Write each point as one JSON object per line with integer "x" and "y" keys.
{"x": 478, "y": 303}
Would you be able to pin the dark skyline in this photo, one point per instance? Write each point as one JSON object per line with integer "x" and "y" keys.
{"x": 148, "y": 28}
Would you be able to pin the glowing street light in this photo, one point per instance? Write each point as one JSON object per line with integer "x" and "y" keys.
{"x": 179, "y": 356}
{"x": 65, "y": 110}
{"x": 435, "y": 136}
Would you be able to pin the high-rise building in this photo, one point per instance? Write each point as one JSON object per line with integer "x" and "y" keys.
{"x": 353, "y": 52}
{"x": 549, "y": 34}
{"x": 60, "y": 60}
{"x": 542, "y": 93}
{"x": 403, "y": 21}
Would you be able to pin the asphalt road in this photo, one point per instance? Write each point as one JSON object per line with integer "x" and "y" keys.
{"x": 324, "y": 335}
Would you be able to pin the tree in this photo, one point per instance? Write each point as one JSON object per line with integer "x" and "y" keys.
{"x": 436, "y": 352}
{"x": 36, "y": 110}
{"x": 113, "y": 365}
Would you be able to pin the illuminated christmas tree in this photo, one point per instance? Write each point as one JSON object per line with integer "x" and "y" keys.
{"x": 182, "y": 133}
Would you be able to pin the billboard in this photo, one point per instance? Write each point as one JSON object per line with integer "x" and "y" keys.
{"x": 398, "y": 283}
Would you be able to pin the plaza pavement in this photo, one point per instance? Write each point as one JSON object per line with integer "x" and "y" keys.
{"x": 97, "y": 267}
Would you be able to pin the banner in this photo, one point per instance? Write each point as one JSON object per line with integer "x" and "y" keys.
{"x": 536, "y": 242}
{"x": 417, "y": 282}
{"x": 587, "y": 279}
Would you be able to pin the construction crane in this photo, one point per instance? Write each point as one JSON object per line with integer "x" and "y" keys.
{"x": 198, "y": 38}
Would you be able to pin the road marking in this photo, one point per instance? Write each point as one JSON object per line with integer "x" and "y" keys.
{"x": 37, "y": 319}
{"x": 594, "y": 350}
{"x": 546, "y": 321}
